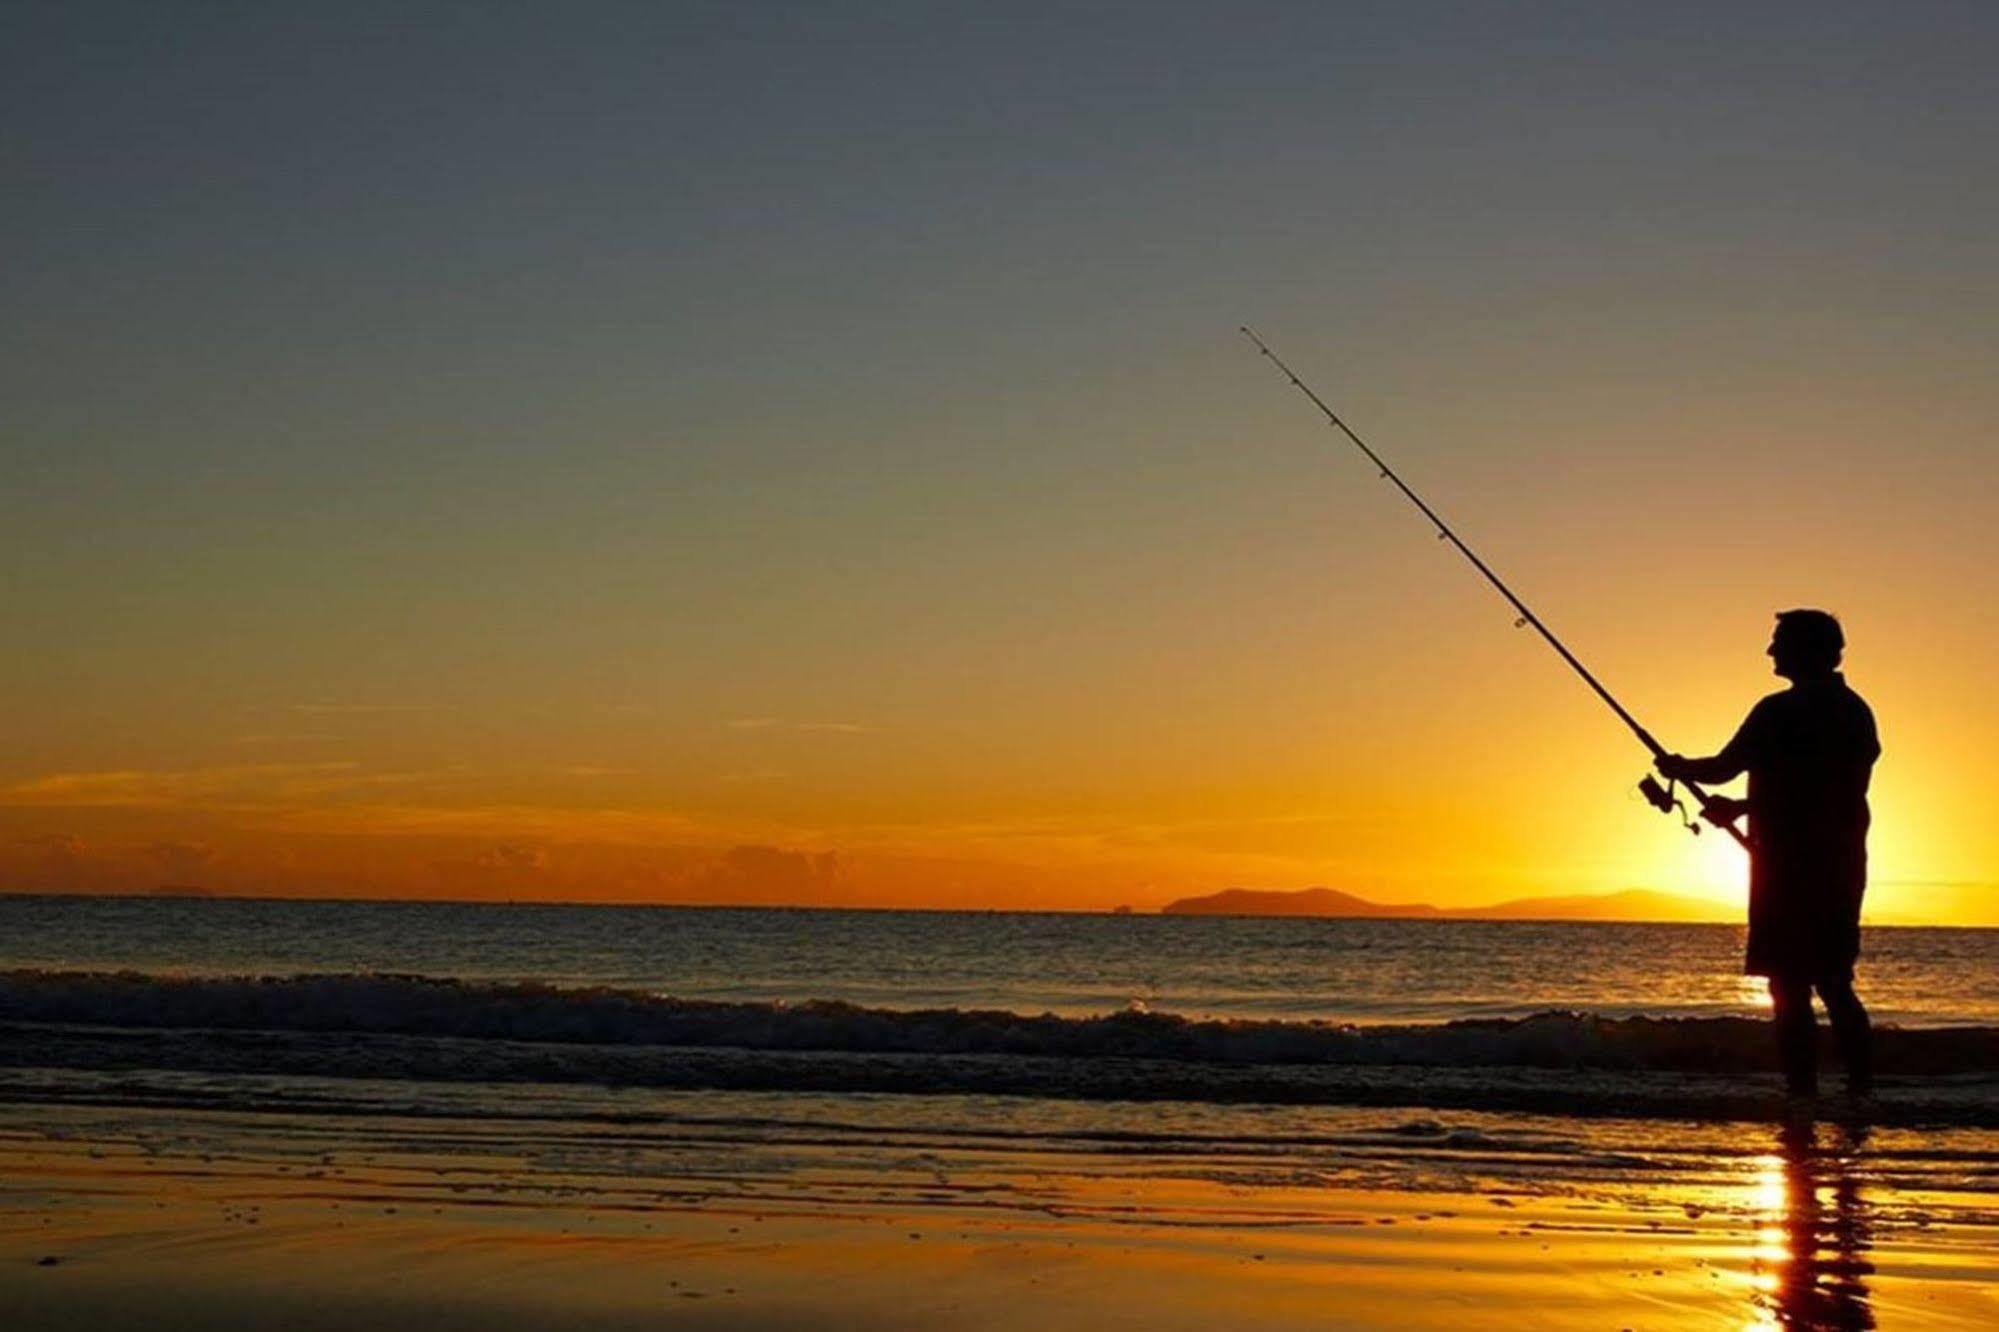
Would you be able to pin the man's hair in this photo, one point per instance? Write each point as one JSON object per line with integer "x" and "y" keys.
{"x": 1815, "y": 633}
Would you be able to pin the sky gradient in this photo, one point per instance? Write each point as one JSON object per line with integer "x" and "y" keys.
{"x": 803, "y": 453}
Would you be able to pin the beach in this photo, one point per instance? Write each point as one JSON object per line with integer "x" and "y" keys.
{"x": 718, "y": 1211}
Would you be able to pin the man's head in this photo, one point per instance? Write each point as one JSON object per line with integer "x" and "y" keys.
{"x": 1806, "y": 643}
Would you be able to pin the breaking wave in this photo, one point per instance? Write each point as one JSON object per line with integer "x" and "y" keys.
{"x": 393, "y": 1026}
{"x": 425, "y": 1006}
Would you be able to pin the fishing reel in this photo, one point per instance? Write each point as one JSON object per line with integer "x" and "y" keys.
{"x": 1662, "y": 799}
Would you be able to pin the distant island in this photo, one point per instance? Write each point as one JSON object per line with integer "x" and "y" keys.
{"x": 1635, "y": 904}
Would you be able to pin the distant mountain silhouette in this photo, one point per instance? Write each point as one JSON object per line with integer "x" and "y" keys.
{"x": 1631, "y": 904}
{"x": 1304, "y": 902}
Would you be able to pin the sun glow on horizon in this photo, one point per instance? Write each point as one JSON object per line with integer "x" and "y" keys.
{"x": 1711, "y": 867}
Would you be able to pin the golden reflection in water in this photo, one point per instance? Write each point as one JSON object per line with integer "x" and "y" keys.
{"x": 1809, "y": 1266}
{"x": 1755, "y": 993}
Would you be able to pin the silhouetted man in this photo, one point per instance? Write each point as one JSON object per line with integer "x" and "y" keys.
{"x": 1809, "y": 752}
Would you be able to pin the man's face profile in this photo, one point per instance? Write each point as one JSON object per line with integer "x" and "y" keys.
{"x": 1777, "y": 654}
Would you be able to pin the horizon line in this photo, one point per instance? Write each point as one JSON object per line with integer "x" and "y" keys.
{"x": 1442, "y": 916}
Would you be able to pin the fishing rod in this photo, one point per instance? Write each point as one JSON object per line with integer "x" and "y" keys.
{"x": 1660, "y": 797}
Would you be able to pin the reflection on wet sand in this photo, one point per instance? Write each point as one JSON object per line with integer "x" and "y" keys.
{"x": 1811, "y": 1264}
{"x": 713, "y": 1214}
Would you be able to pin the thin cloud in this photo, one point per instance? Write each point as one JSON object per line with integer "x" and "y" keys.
{"x": 508, "y": 822}
{"x": 512, "y": 856}
{"x": 780, "y": 724}
{"x": 336, "y": 708}
{"x": 767, "y": 874}
{"x": 244, "y": 787}
{"x": 154, "y": 788}
{"x": 67, "y": 845}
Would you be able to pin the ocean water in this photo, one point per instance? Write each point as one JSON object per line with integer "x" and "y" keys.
{"x": 1221, "y": 1082}
{"x": 1549, "y": 1018}
{"x": 1355, "y": 971}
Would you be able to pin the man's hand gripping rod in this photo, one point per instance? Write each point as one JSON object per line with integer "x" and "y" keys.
{"x": 1662, "y": 798}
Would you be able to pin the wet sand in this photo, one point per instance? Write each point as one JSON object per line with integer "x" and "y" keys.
{"x": 172, "y": 1218}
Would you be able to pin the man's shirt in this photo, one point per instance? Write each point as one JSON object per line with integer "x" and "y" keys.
{"x": 1810, "y": 754}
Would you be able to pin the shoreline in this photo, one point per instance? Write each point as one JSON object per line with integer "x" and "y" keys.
{"x": 227, "y": 1219}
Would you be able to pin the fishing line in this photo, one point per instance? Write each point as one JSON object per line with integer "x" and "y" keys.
{"x": 1659, "y": 797}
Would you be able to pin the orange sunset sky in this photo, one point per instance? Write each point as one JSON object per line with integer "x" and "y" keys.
{"x": 745, "y": 455}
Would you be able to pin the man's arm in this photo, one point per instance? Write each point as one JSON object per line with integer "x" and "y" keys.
{"x": 1734, "y": 759}
{"x": 1720, "y": 810}
{"x": 1712, "y": 771}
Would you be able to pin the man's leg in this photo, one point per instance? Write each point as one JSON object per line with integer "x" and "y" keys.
{"x": 1797, "y": 1034}
{"x": 1854, "y": 1033}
